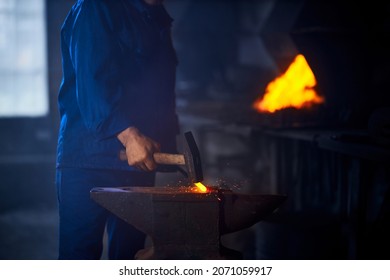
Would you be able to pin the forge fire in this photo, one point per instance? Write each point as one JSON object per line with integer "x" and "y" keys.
{"x": 295, "y": 88}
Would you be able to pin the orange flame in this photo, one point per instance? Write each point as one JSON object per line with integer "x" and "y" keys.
{"x": 200, "y": 187}
{"x": 294, "y": 88}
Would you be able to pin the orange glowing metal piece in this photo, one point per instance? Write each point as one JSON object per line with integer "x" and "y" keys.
{"x": 295, "y": 88}
{"x": 201, "y": 187}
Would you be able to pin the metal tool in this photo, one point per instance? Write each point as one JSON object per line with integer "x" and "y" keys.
{"x": 183, "y": 224}
{"x": 190, "y": 158}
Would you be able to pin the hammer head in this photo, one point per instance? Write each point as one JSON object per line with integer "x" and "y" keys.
{"x": 192, "y": 158}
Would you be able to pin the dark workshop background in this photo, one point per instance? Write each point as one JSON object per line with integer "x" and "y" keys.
{"x": 332, "y": 160}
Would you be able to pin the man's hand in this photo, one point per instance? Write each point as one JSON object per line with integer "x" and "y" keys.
{"x": 139, "y": 149}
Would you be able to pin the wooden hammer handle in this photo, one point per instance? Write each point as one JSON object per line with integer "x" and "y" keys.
{"x": 161, "y": 158}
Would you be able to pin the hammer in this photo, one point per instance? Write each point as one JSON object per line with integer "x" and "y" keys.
{"x": 190, "y": 158}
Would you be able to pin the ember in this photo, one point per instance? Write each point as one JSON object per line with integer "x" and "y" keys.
{"x": 295, "y": 88}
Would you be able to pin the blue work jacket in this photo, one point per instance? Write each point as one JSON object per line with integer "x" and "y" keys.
{"x": 118, "y": 71}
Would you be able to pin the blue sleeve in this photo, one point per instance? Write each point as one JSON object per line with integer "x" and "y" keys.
{"x": 95, "y": 53}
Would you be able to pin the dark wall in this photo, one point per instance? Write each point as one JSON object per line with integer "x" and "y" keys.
{"x": 27, "y": 145}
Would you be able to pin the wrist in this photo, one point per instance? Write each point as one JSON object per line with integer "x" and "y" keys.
{"x": 127, "y": 134}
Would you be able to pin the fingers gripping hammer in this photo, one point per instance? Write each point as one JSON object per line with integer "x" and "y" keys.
{"x": 190, "y": 158}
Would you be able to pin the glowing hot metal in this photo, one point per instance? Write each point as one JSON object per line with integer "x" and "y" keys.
{"x": 200, "y": 187}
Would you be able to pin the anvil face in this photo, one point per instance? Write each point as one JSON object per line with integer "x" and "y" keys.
{"x": 183, "y": 224}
